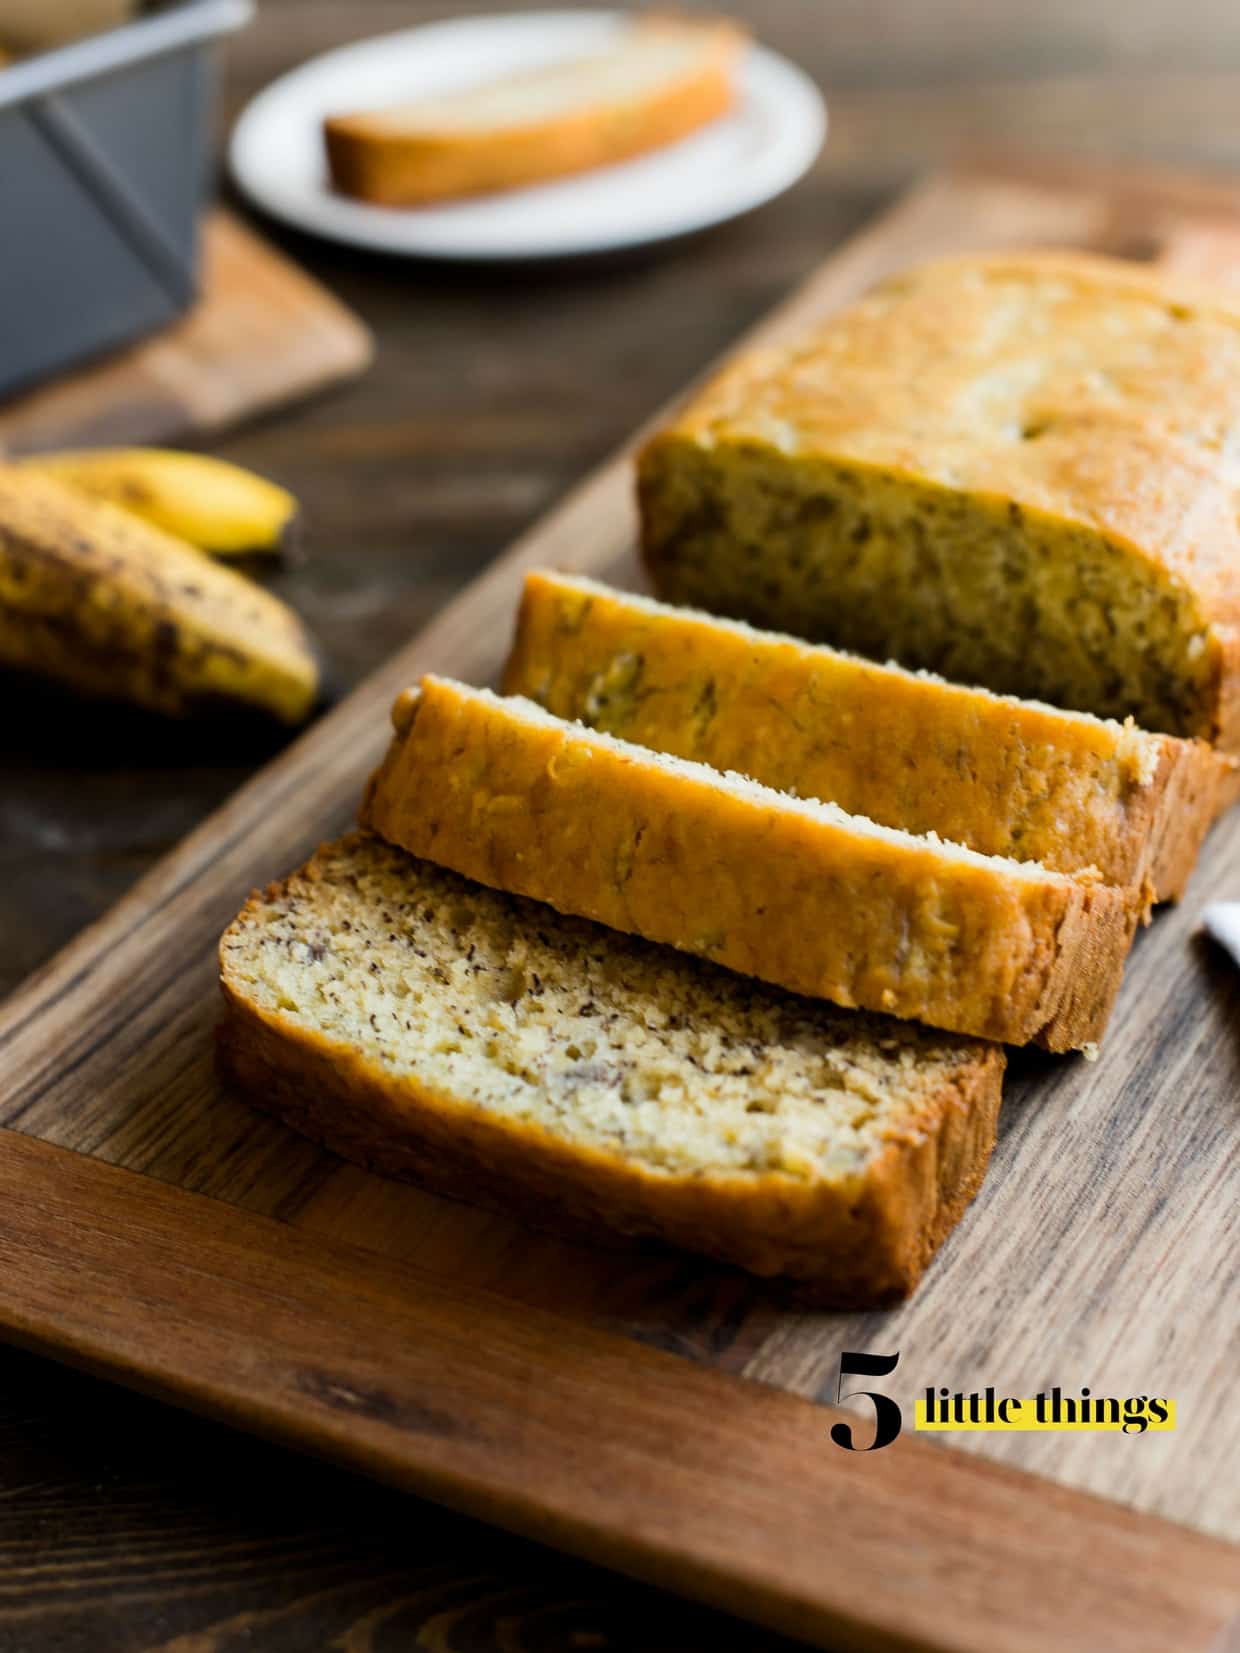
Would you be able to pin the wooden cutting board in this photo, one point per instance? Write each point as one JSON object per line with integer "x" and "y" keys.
{"x": 262, "y": 334}
{"x": 640, "y": 1408}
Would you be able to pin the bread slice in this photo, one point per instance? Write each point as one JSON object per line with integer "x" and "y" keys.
{"x": 94, "y": 597}
{"x": 790, "y": 890}
{"x": 661, "y": 79}
{"x": 1003, "y": 776}
{"x": 427, "y": 1027}
{"x": 1015, "y": 469}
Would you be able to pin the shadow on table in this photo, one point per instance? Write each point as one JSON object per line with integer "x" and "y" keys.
{"x": 45, "y": 726}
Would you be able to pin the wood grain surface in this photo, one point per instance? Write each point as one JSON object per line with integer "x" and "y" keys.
{"x": 721, "y": 1489}
{"x": 262, "y": 334}
{"x": 261, "y": 1549}
{"x": 1115, "y": 1185}
{"x": 124, "y": 1526}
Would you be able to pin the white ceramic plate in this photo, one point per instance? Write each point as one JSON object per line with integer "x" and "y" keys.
{"x": 729, "y": 167}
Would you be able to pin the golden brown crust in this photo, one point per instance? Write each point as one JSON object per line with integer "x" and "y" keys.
{"x": 1194, "y": 785}
{"x": 1103, "y": 416}
{"x": 848, "y": 1245}
{"x": 370, "y": 158}
{"x": 1003, "y": 776}
{"x": 809, "y": 901}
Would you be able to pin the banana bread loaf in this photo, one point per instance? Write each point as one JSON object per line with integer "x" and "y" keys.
{"x": 790, "y": 890}
{"x": 1003, "y": 776}
{"x": 430, "y": 1028}
{"x": 1015, "y": 469}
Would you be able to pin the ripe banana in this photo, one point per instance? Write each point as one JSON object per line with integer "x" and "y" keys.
{"x": 101, "y": 600}
{"x": 216, "y": 506}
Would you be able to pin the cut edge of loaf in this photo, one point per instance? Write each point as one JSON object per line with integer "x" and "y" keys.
{"x": 1045, "y": 961}
{"x": 859, "y": 1242}
{"x": 1157, "y": 634}
{"x": 1160, "y": 792}
{"x": 694, "y": 494}
{"x": 372, "y": 158}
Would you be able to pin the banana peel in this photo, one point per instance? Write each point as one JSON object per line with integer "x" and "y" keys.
{"x": 219, "y": 507}
{"x": 105, "y": 602}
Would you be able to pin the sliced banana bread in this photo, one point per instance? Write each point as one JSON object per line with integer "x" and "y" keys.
{"x": 790, "y": 890}
{"x": 1016, "y": 469}
{"x": 1003, "y": 776}
{"x": 481, "y": 1044}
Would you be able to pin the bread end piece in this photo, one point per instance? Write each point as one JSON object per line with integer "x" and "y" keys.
{"x": 372, "y": 158}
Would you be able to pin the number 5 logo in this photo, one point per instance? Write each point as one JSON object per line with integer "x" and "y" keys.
{"x": 887, "y": 1418}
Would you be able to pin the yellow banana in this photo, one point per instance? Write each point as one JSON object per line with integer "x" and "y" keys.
{"x": 101, "y": 600}
{"x": 216, "y": 506}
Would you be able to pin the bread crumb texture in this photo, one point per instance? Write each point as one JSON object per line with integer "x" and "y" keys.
{"x": 674, "y": 1097}
{"x": 609, "y": 1040}
{"x": 1018, "y": 470}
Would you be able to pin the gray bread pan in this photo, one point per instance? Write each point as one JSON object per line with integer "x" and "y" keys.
{"x": 103, "y": 164}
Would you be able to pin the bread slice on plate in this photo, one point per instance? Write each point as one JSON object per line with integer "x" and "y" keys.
{"x": 481, "y": 1044}
{"x": 790, "y": 890}
{"x": 1016, "y": 469}
{"x": 661, "y": 79}
{"x": 1000, "y": 775}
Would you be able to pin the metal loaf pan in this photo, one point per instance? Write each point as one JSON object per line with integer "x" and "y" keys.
{"x": 103, "y": 163}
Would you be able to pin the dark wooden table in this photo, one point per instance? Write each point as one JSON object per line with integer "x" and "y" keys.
{"x": 124, "y": 1526}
